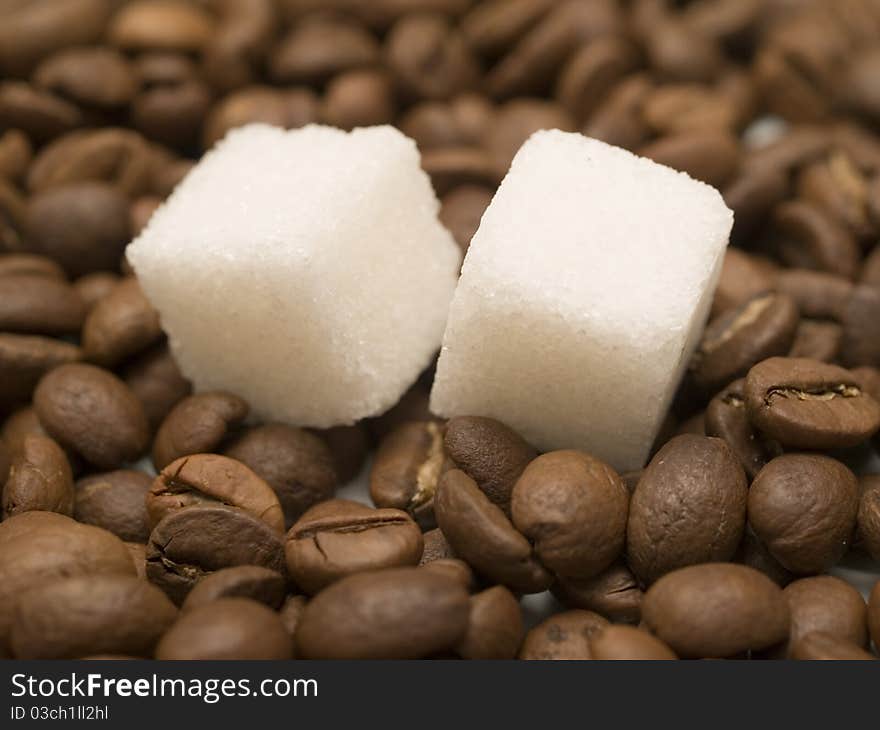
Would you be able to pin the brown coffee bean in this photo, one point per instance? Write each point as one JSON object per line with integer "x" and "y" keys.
{"x": 115, "y": 501}
{"x": 407, "y": 469}
{"x": 197, "y": 424}
{"x": 679, "y": 52}
{"x": 838, "y": 187}
{"x": 429, "y": 58}
{"x": 24, "y": 359}
{"x": 157, "y": 383}
{"x": 716, "y": 610}
{"x": 818, "y": 294}
{"x": 243, "y": 581}
{"x": 21, "y": 424}
{"x": 803, "y": 508}
{"x": 37, "y": 304}
{"x": 753, "y": 553}
{"x": 358, "y": 99}
{"x": 869, "y": 514}
{"x": 396, "y": 613}
{"x": 43, "y": 114}
{"x": 751, "y": 195}
{"x": 239, "y": 42}
{"x": 172, "y": 113}
{"x": 809, "y": 404}
{"x": 491, "y": 27}
{"x": 743, "y": 277}
{"x": 92, "y": 288}
{"x": 461, "y": 210}
{"x": 827, "y": 604}
{"x": 192, "y": 542}
{"x": 39, "y": 547}
{"x": 94, "y": 77}
{"x": 228, "y": 628}
{"x": 338, "y": 538}
{"x": 874, "y": 614}
{"x": 860, "y": 327}
{"x": 573, "y": 507}
{"x": 320, "y": 48}
{"x": 160, "y": 25}
{"x": 802, "y": 145}
{"x": 618, "y": 119}
{"x": 819, "y": 645}
{"x": 435, "y": 547}
{"x": 200, "y": 478}
{"x": 817, "y": 340}
{"x": 16, "y": 153}
{"x": 113, "y": 155}
{"x": 140, "y": 211}
{"x": 481, "y": 534}
{"x": 563, "y": 636}
{"x": 29, "y": 264}
{"x": 90, "y": 614}
{"x": 711, "y": 156}
{"x": 412, "y": 406}
{"x": 284, "y": 108}
{"x": 138, "y": 553}
{"x": 726, "y": 418}
{"x": 92, "y": 412}
{"x": 39, "y": 479}
{"x": 297, "y": 465}
{"x": 614, "y": 594}
{"x": 290, "y": 614}
{"x": 628, "y": 643}
{"x": 462, "y": 121}
{"x": 454, "y": 568}
{"x": 122, "y": 324}
{"x": 739, "y": 338}
{"x": 689, "y": 507}
{"x": 516, "y": 121}
{"x": 495, "y": 627}
{"x": 809, "y": 238}
{"x": 684, "y": 107}
{"x": 490, "y": 453}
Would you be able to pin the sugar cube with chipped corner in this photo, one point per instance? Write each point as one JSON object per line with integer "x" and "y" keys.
{"x": 582, "y": 297}
{"x": 305, "y": 271}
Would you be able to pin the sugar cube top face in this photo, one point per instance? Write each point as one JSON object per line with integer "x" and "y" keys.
{"x": 305, "y": 271}
{"x": 582, "y": 297}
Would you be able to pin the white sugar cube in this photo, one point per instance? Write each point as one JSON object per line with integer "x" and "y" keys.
{"x": 305, "y": 271}
{"x": 582, "y": 297}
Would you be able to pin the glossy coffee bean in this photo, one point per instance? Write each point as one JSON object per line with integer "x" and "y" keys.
{"x": 39, "y": 479}
{"x": 338, "y": 538}
{"x": 727, "y": 419}
{"x": 157, "y": 383}
{"x": 743, "y": 278}
{"x": 349, "y": 447}
{"x": 817, "y": 340}
{"x": 39, "y": 305}
{"x": 115, "y": 501}
{"x": 495, "y": 626}
{"x": 628, "y": 643}
{"x": 24, "y": 359}
{"x": 243, "y": 581}
{"x": 818, "y": 294}
{"x": 563, "y": 636}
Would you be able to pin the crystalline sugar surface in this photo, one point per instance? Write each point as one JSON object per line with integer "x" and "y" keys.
{"x": 305, "y": 271}
{"x": 582, "y": 297}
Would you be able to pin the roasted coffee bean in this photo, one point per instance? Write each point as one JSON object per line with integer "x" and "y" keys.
{"x": 94, "y": 77}
{"x": 339, "y": 537}
{"x": 628, "y": 643}
{"x": 244, "y": 581}
{"x": 172, "y": 112}
{"x": 490, "y": 453}
{"x": 818, "y": 294}
{"x": 349, "y": 447}
{"x": 711, "y": 156}
{"x": 573, "y": 507}
{"x": 751, "y": 195}
{"x": 819, "y": 645}
{"x": 39, "y": 479}
{"x": 817, "y": 340}
{"x": 495, "y": 627}
{"x": 450, "y": 167}
{"x": 874, "y": 614}
{"x": 753, "y": 553}
{"x": 838, "y": 187}
{"x": 242, "y": 35}
{"x": 727, "y": 419}
{"x": 689, "y": 507}
{"x": 490, "y": 27}
{"x": 84, "y": 226}
{"x": 407, "y": 469}
{"x": 716, "y": 610}
{"x": 481, "y": 534}
{"x": 115, "y": 501}
{"x": 743, "y": 277}
{"x": 197, "y": 424}
{"x": 290, "y": 613}
{"x": 739, "y": 338}
{"x": 228, "y": 628}
{"x": 170, "y": 25}
{"x": 138, "y": 553}
{"x": 614, "y": 594}
{"x": 21, "y": 424}
{"x": 861, "y": 320}
{"x": 563, "y": 636}
{"x": 461, "y": 210}
{"x": 869, "y": 515}
{"x": 295, "y": 463}
{"x": 435, "y": 547}
{"x": 803, "y": 508}
{"x": 24, "y": 359}
{"x": 42, "y": 113}
{"x": 809, "y": 404}
{"x": 201, "y": 478}
{"x": 809, "y": 238}
{"x": 157, "y": 383}
{"x": 16, "y": 153}
{"x": 359, "y": 99}
{"x": 93, "y": 287}
{"x": 827, "y": 604}
{"x": 39, "y": 547}
{"x": 396, "y": 613}
{"x": 90, "y": 614}
{"x": 92, "y": 412}
{"x": 460, "y": 122}
{"x": 122, "y": 324}
{"x": 192, "y": 542}
{"x": 618, "y": 119}
{"x": 454, "y": 568}
{"x": 516, "y": 121}
{"x": 6, "y": 462}
{"x": 29, "y": 264}
{"x": 35, "y": 304}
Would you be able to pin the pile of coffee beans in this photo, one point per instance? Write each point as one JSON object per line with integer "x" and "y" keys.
{"x": 142, "y": 520}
